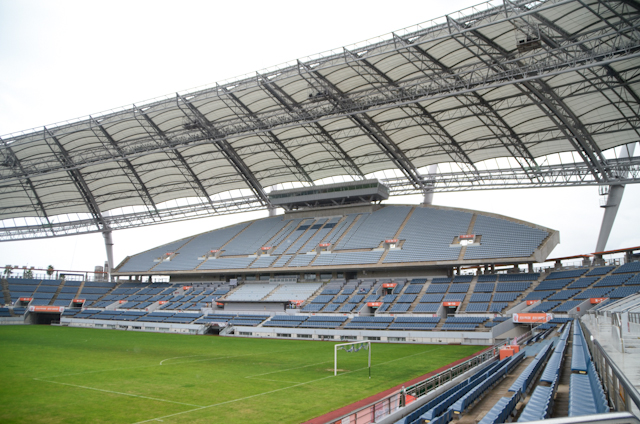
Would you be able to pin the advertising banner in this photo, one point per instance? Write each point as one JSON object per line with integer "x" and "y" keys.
{"x": 57, "y": 309}
{"x": 451, "y": 303}
{"x": 530, "y": 318}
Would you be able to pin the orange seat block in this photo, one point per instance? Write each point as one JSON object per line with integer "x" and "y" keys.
{"x": 505, "y": 352}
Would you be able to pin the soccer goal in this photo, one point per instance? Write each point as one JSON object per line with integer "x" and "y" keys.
{"x": 351, "y": 348}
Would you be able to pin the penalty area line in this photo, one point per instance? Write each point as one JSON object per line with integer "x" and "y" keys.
{"x": 178, "y": 357}
{"x": 275, "y": 390}
{"x": 288, "y": 369}
{"x": 116, "y": 393}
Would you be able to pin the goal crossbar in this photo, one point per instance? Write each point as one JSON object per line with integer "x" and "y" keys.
{"x": 365, "y": 343}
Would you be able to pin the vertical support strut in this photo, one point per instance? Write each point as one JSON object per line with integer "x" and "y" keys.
{"x": 108, "y": 244}
{"x": 613, "y": 202}
{"x": 428, "y": 191}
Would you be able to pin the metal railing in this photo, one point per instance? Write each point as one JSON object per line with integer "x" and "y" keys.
{"x": 389, "y": 404}
{"x": 621, "y": 393}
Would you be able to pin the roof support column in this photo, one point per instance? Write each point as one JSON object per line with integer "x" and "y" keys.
{"x": 613, "y": 203}
{"x": 428, "y": 191}
{"x": 108, "y": 244}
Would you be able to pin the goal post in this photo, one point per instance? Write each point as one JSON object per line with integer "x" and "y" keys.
{"x": 351, "y": 347}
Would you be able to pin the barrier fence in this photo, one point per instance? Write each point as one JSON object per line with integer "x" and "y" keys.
{"x": 621, "y": 393}
{"x": 389, "y": 404}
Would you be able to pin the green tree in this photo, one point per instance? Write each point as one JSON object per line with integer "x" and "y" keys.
{"x": 50, "y": 270}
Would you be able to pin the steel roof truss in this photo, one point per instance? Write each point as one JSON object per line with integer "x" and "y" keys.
{"x": 551, "y": 100}
{"x": 132, "y": 175}
{"x": 174, "y": 155}
{"x": 371, "y": 129}
{"x": 315, "y": 129}
{"x": 76, "y": 177}
{"x": 209, "y": 131}
{"x": 423, "y": 118}
{"x": 268, "y": 137}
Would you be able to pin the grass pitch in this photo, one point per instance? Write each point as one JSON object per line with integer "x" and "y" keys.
{"x": 75, "y": 375}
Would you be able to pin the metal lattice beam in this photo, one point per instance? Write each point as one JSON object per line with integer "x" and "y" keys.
{"x": 270, "y": 138}
{"x": 128, "y": 168}
{"x": 455, "y": 93}
{"x": 566, "y": 175}
{"x": 210, "y": 132}
{"x": 179, "y": 161}
{"x": 316, "y": 130}
{"x": 76, "y": 176}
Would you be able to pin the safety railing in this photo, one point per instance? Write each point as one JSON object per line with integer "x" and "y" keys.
{"x": 381, "y": 408}
{"x": 621, "y": 393}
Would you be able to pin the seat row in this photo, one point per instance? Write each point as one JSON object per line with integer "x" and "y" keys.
{"x": 586, "y": 395}
{"x": 442, "y": 408}
{"x": 522, "y": 383}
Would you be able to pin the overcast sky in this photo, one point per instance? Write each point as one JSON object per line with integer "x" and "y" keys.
{"x": 67, "y": 59}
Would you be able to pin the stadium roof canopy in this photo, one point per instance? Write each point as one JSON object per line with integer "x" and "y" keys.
{"x": 518, "y": 94}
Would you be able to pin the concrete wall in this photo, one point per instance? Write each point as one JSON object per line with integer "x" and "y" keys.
{"x": 155, "y": 327}
{"x": 12, "y": 321}
{"x": 254, "y": 307}
{"x": 428, "y": 337}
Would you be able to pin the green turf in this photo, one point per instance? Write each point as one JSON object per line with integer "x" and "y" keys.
{"x": 75, "y": 375}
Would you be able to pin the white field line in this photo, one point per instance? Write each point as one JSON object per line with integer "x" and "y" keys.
{"x": 275, "y": 381}
{"x": 213, "y": 358}
{"x": 116, "y": 393}
{"x": 278, "y": 390}
{"x": 178, "y": 357}
{"x": 288, "y": 369}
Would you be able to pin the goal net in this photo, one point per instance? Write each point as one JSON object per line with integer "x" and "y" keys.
{"x": 351, "y": 348}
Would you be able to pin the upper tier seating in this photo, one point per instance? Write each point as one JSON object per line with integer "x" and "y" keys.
{"x": 532, "y": 276}
{"x": 487, "y": 278}
{"x": 145, "y": 261}
{"x": 628, "y": 267}
{"x": 348, "y": 258}
{"x": 428, "y": 234}
{"x": 601, "y": 270}
{"x": 320, "y": 234}
{"x": 571, "y": 274}
{"x": 496, "y": 235}
{"x": 613, "y": 280}
{"x": 226, "y": 263}
{"x": 187, "y": 257}
{"x": 372, "y": 229}
{"x": 256, "y": 235}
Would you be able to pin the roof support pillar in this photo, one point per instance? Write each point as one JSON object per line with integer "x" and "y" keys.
{"x": 428, "y": 191}
{"x": 108, "y": 244}
{"x": 613, "y": 203}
